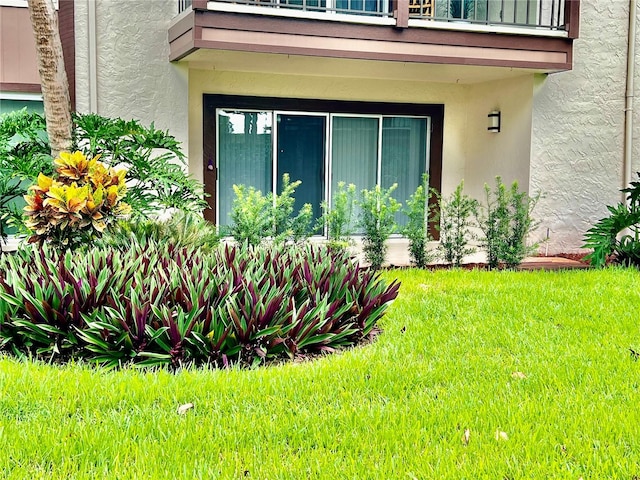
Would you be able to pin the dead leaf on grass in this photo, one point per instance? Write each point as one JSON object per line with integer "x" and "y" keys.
{"x": 466, "y": 437}
{"x": 519, "y": 375}
{"x": 183, "y": 409}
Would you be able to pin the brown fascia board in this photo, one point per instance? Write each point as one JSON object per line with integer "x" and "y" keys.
{"x": 303, "y": 27}
{"x": 181, "y": 36}
{"x": 194, "y": 23}
{"x": 180, "y": 27}
{"x": 21, "y": 87}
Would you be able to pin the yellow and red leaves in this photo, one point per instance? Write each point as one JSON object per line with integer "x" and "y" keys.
{"x": 82, "y": 200}
{"x": 74, "y": 166}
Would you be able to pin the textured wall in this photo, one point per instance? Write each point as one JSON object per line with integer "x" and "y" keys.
{"x": 506, "y": 153}
{"x": 465, "y": 154}
{"x": 135, "y": 78}
{"x": 578, "y": 129}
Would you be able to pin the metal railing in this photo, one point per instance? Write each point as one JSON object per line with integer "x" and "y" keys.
{"x": 380, "y": 8}
{"x": 183, "y": 5}
{"x": 548, "y": 14}
{"x": 542, "y": 14}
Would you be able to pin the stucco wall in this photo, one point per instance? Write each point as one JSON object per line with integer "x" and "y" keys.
{"x": 469, "y": 151}
{"x": 135, "y": 79}
{"x": 506, "y": 153}
{"x": 578, "y": 129}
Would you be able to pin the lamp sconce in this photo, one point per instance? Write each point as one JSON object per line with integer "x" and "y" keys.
{"x": 495, "y": 120}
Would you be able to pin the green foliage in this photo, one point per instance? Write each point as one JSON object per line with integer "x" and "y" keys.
{"x": 76, "y": 205}
{"x": 418, "y": 210}
{"x": 286, "y": 226}
{"x": 338, "y": 218}
{"x": 618, "y": 235}
{"x": 256, "y": 217}
{"x": 162, "y": 305}
{"x": 456, "y": 213}
{"x": 182, "y": 229}
{"x": 250, "y": 216}
{"x": 505, "y": 220}
{"x": 155, "y": 164}
{"x": 156, "y": 177}
{"x": 24, "y": 152}
{"x": 377, "y": 211}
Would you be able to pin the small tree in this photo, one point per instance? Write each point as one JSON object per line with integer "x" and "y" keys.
{"x": 418, "y": 211}
{"x": 76, "y": 205}
{"x": 256, "y": 217}
{"x": 377, "y": 213}
{"x": 286, "y": 226}
{"x": 456, "y": 213}
{"x": 250, "y": 216}
{"x": 339, "y": 217}
{"x": 505, "y": 220}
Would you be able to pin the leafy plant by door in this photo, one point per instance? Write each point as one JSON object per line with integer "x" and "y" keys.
{"x": 419, "y": 212}
{"x": 617, "y": 237}
{"x": 505, "y": 220}
{"x": 338, "y": 218}
{"x": 377, "y": 212}
{"x": 456, "y": 222}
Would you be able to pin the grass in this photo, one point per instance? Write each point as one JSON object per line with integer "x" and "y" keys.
{"x": 541, "y": 356}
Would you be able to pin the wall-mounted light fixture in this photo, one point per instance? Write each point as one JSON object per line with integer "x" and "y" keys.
{"x": 494, "y": 122}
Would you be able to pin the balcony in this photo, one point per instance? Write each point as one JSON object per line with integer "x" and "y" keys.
{"x": 522, "y": 34}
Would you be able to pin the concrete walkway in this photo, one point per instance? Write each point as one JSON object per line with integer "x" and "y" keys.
{"x": 551, "y": 263}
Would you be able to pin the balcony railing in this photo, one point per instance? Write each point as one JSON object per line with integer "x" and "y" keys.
{"x": 540, "y": 14}
{"x": 522, "y": 13}
{"x": 183, "y": 5}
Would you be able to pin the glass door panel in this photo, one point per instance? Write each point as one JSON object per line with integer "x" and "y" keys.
{"x": 404, "y": 157}
{"x": 244, "y": 156}
{"x": 354, "y": 153}
{"x": 301, "y": 153}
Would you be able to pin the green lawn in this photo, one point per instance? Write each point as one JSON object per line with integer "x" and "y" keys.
{"x": 541, "y": 356}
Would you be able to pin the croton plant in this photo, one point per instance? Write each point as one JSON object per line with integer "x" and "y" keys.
{"x": 77, "y": 203}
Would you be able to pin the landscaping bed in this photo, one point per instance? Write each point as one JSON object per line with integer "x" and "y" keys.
{"x": 476, "y": 375}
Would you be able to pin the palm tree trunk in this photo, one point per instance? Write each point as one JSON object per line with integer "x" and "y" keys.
{"x": 53, "y": 77}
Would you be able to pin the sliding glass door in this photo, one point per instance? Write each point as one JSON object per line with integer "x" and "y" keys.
{"x": 256, "y": 148}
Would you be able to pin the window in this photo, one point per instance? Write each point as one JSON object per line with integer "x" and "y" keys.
{"x": 322, "y": 145}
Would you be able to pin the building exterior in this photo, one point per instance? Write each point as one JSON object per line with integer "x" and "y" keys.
{"x": 371, "y": 91}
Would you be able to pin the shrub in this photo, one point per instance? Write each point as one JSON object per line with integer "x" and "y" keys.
{"x": 24, "y": 152}
{"x": 418, "y": 211}
{"x": 256, "y": 217}
{"x": 155, "y": 165}
{"x": 456, "y": 213}
{"x": 78, "y": 204}
{"x": 250, "y": 216}
{"x": 377, "y": 211}
{"x": 182, "y": 230}
{"x": 505, "y": 220}
{"x": 617, "y": 237}
{"x": 159, "y": 305}
{"x": 338, "y": 219}
{"x": 286, "y": 226}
